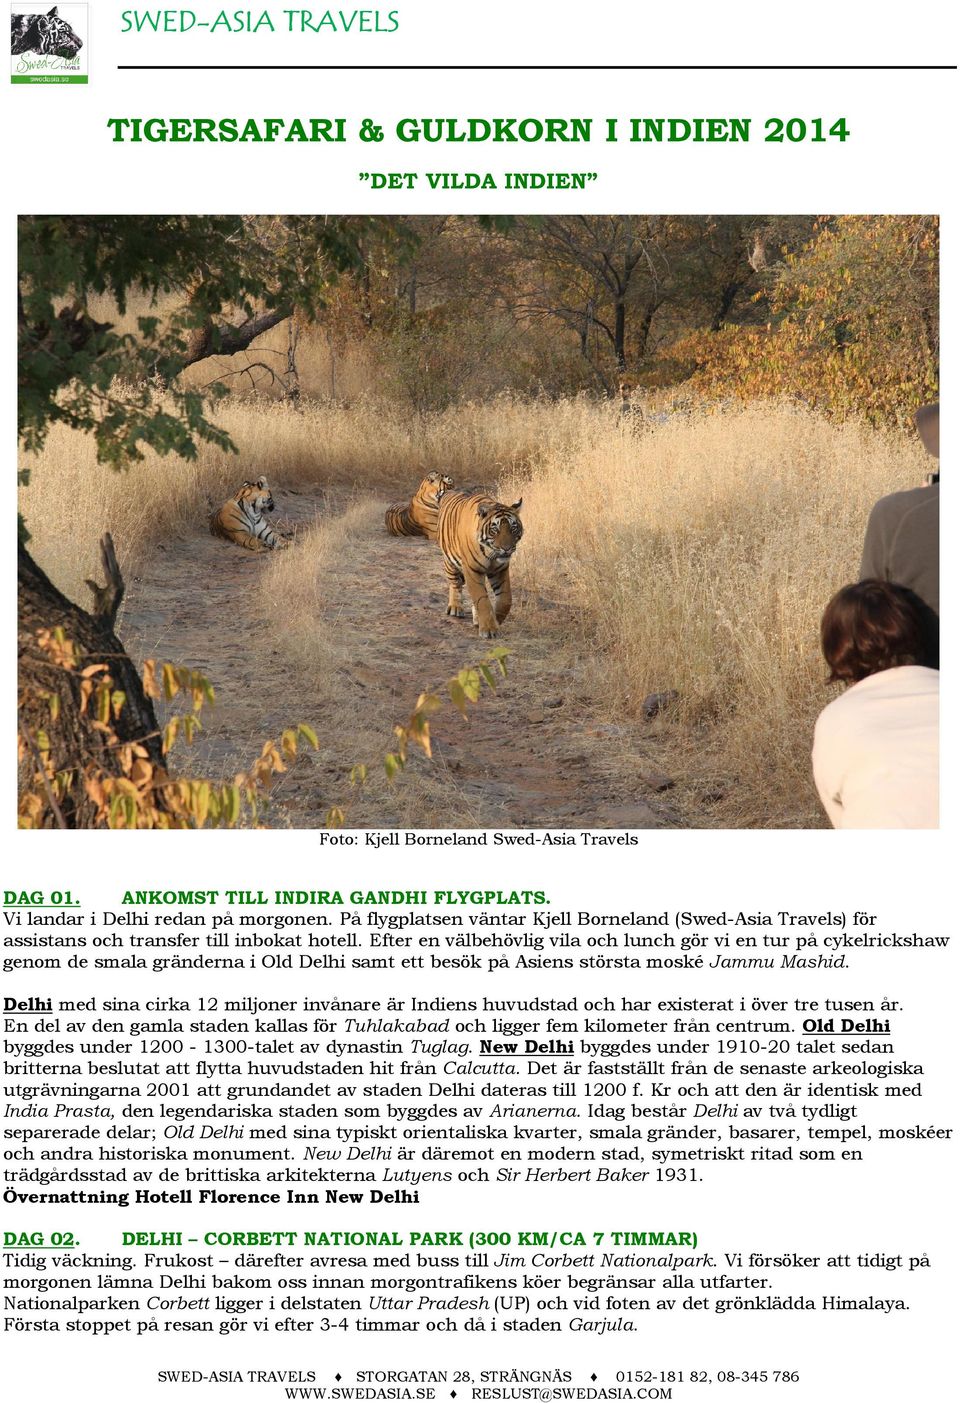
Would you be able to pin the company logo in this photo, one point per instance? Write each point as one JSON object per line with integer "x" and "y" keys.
{"x": 49, "y": 47}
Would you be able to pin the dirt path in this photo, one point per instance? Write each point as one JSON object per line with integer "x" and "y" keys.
{"x": 531, "y": 756}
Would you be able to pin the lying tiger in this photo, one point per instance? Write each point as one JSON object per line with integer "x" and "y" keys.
{"x": 242, "y": 521}
{"x": 419, "y": 516}
{"x": 478, "y": 535}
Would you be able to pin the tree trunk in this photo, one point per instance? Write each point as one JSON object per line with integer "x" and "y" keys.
{"x": 586, "y": 329}
{"x": 643, "y": 333}
{"x": 620, "y": 333}
{"x": 365, "y": 287}
{"x": 74, "y": 741}
{"x": 292, "y": 378}
{"x": 222, "y": 339}
{"x": 727, "y": 297}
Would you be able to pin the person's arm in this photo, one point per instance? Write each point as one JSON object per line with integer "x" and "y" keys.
{"x": 875, "y": 561}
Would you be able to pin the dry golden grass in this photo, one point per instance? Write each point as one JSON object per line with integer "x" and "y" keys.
{"x": 698, "y": 556}
{"x": 167, "y": 496}
{"x": 694, "y": 554}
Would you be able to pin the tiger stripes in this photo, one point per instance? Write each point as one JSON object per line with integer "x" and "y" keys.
{"x": 418, "y": 517}
{"x": 478, "y": 535}
{"x": 241, "y": 519}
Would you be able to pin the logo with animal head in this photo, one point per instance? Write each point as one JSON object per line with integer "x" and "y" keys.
{"x": 50, "y": 46}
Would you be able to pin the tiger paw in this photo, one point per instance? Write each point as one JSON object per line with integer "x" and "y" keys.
{"x": 489, "y": 632}
{"x": 456, "y": 613}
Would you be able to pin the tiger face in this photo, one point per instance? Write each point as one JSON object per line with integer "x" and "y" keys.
{"x": 43, "y": 34}
{"x": 500, "y": 530}
{"x": 434, "y": 485}
{"x": 257, "y": 496}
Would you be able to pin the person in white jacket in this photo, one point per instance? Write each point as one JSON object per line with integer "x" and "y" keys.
{"x": 876, "y": 747}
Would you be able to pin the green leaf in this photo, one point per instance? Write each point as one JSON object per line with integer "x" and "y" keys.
{"x": 427, "y": 704}
{"x": 469, "y": 680}
{"x": 231, "y": 805}
{"x": 201, "y": 801}
{"x": 103, "y": 705}
{"x": 499, "y": 656}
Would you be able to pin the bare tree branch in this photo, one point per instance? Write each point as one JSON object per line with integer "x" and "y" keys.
{"x": 212, "y": 339}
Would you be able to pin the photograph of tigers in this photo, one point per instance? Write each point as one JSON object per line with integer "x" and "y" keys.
{"x": 531, "y": 522}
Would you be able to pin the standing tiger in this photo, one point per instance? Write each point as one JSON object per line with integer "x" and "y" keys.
{"x": 478, "y": 535}
{"x": 419, "y": 516}
{"x": 241, "y": 519}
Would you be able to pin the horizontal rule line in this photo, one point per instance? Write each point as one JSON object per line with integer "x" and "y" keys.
{"x": 537, "y": 67}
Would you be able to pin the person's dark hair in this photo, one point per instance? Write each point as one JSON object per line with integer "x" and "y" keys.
{"x": 870, "y": 627}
